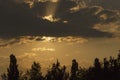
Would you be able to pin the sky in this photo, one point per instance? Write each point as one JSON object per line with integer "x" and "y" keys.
{"x": 47, "y": 30}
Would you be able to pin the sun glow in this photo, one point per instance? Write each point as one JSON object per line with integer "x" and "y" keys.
{"x": 50, "y": 18}
{"x": 48, "y": 39}
{"x": 54, "y": 0}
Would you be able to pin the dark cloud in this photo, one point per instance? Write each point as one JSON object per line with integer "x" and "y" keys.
{"x": 17, "y": 19}
{"x": 19, "y": 40}
{"x": 87, "y": 17}
{"x": 9, "y": 41}
{"x": 107, "y": 4}
{"x": 92, "y": 15}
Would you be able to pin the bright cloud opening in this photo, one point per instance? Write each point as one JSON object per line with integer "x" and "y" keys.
{"x": 50, "y": 18}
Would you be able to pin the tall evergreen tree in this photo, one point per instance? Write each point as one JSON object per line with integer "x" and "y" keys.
{"x": 106, "y": 64}
{"x": 111, "y": 61}
{"x": 35, "y": 72}
{"x": 13, "y": 72}
{"x": 97, "y": 69}
{"x": 74, "y": 70}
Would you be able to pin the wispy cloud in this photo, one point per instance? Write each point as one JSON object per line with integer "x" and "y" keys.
{"x": 113, "y": 28}
{"x": 43, "y": 49}
{"x": 30, "y": 39}
{"x": 27, "y": 55}
{"x": 4, "y": 42}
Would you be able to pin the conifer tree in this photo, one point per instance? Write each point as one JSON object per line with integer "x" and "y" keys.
{"x": 35, "y": 72}
{"x": 13, "y": 72}
{"x": 97, "y": 69}
{"x": 74, "y": 70}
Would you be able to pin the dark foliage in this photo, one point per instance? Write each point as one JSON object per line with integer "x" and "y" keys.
{"x": 102, "y": 70}
{"x": 106, "y": 70}
{"x": 13, "y": 72}
{"x": 74, "y": 69}
{"x": 57, "y": 72}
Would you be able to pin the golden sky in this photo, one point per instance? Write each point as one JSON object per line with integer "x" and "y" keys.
{"x": 47, "y": 30}
{"x": 47, "y": 50}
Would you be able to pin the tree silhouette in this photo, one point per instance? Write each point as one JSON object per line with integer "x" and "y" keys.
{"x": 4, "y": 76}
{"x": 74, "y": 69}
{"x": 35, "y": 72}
{"x": 13, "y": 72}
{"x": 118, "y": 58}
{"x": 111, "y": 61}
{"x": 81, "y": 74}
{"x": 94, "y": 73}
{"x": 56, "y": 72}
{"x": 107, "y": 69}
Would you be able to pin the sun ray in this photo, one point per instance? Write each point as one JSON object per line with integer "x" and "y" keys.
{"x": 51, "y": 8}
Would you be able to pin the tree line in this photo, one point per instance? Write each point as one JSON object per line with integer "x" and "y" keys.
{"x": 108, "y": 69}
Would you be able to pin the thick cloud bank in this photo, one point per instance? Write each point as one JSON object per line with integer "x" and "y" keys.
{"x": 19, "y": 19}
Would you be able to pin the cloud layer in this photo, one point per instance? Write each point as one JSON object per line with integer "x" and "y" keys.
{"x": 18, "y": 19}
{"x": 7, "y": 42}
